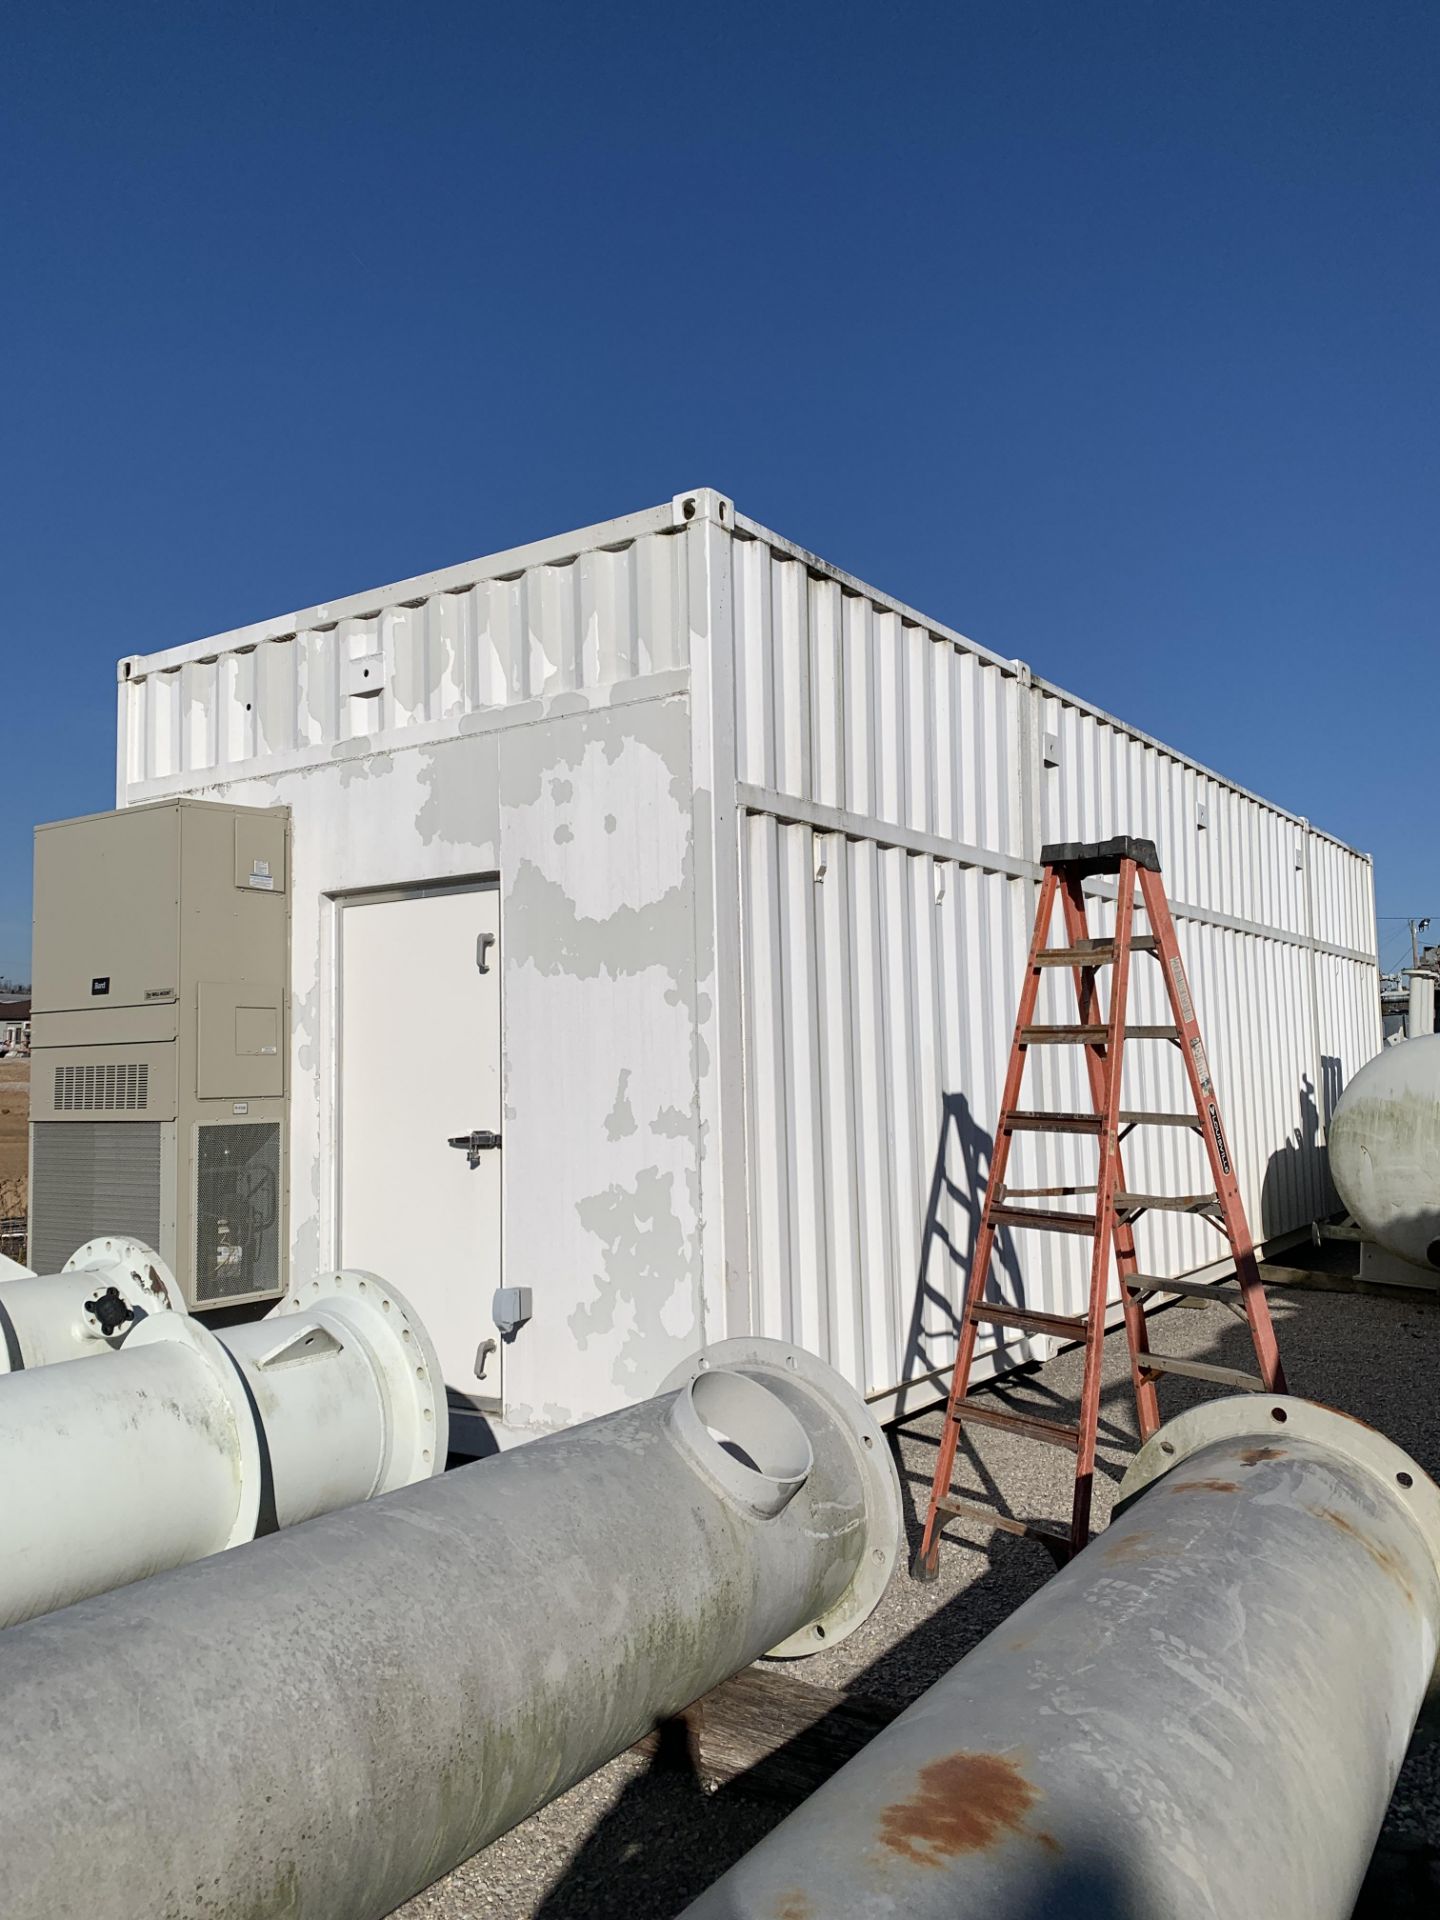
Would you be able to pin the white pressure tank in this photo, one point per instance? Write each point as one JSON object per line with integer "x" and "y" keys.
{"x": 1385, "y": 1149}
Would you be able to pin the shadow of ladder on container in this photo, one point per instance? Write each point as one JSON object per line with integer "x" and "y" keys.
{"x": 1065, "y": 870}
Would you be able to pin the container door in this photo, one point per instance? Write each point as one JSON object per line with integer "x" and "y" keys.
{"x": 419, "y": 1070}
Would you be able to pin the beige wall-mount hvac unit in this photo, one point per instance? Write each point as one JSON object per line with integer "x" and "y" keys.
{"x": 160, "y": 1041}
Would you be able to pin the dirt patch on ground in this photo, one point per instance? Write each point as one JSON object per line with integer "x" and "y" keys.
{"x": 14, "y": 1133}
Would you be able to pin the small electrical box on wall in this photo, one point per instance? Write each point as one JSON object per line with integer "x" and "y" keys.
{"x": 160, "y": 1041}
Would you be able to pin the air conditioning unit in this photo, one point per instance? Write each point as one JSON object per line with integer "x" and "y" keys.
{"x": 160, "y": 1042}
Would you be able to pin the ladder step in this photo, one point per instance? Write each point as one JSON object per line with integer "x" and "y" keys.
{"x": 1053, "y": 1122}
{"x": 1062, "y": 1036}
{"x": 972, "y": 1510}
{"x": 1055, "y": 1433}
{"x": 1133, "y": 1203}
{"x": 1091, "y": 953}
{"x": 1042, "y": 1217}
{"x": 1224, "y": 1290}
{"x": 1089, "y": 1036}
{"x": 1064, "y": 1326}
{"x": 1031, "y": 1122}
{"x": 1202, "y": 1370}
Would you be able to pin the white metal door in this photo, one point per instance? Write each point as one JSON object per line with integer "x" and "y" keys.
{"x": 420, "y": 1066}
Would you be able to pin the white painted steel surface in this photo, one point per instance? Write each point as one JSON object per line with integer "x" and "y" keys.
{"x": 416, "y": 1070}
{"x": 1385, "y": 1144}
{"x": 766, "y": 842}
{"x": 46, "y": 1317}
{"x": 187, "y": 1441}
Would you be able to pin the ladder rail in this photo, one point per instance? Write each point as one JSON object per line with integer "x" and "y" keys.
{"x": 1217, "y": 1146}
{"x": 1105, "y": 1086}
{"x": 1127, "y": 1263}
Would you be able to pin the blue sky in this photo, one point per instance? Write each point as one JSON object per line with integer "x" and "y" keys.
{"x": 1104, "y": 332}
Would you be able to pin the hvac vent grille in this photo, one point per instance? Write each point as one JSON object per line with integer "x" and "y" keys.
{"x": 113, "y": 1088}
{"x": 237, "y": 1211}
{"x": 91, "y": 1177}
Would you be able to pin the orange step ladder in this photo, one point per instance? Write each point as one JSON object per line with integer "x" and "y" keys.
{"x": 1112, "y": 1224}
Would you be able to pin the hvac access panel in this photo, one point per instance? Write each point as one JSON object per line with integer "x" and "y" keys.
{"x": 161, "y": 1041}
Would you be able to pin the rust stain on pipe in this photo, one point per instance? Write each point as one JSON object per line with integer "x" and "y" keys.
{"x": 963, "y": 1804}
{"x": 1382, "y": 1556}
{"x": 795, "y": 1906}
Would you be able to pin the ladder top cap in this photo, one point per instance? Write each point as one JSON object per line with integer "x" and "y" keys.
{"x": 1084, "y": 857}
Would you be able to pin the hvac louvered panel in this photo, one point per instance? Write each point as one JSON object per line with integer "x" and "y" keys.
{"x": 90, "y": 1178}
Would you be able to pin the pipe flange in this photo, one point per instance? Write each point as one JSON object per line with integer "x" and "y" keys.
{"x": 796, "y": 1377}
{"x": 179, "y": 1329}
{"x": 400, "y": 1347}
{"x": 1272, "y": 1419}
{"x": 138, "y": 1268}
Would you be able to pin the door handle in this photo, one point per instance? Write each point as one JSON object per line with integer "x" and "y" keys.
{"x": 482, "y": 1140}
{"x": 483, "y": 944}
{"x": 482, "y": 1356}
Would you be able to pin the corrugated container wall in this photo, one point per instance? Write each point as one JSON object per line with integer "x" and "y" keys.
{"x": 766, "y": 843}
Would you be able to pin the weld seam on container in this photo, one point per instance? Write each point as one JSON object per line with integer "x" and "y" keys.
{"x": 105, "y": 1289}
{"x": 190, "y": 1441}
{"x": 345, "y": 1711}
{"x": 1204, "y": 1713}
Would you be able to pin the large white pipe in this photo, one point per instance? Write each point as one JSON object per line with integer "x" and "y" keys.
{"x": 192, "y": 1441}
{"x": 330, "y": 1719}
{"x": 106, "y": 1288}
{"x": 1201, "y": 1717}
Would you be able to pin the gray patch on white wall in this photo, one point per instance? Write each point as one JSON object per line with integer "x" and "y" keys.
{"x": 461, "y": 783}
{"x": 645, "y": 1260}
{"x": 621, "y": 1120}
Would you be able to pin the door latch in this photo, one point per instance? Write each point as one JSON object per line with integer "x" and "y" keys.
{"x": 476, "y": 1143}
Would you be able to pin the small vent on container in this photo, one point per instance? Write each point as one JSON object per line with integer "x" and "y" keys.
{"x": 115, "y": 1087}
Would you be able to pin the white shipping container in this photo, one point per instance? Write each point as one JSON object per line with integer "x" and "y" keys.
{"x": 703, "y": 873}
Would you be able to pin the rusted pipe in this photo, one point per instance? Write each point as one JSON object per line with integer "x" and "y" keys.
{"x": 1203, "y": 1714}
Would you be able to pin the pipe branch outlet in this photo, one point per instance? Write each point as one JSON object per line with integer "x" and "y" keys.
{"x": 103, "y": 1292}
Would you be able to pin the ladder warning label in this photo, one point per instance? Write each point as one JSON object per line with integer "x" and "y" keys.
{"x": 1182, "y": 990}
{"x": 1202, "y": 1065}
{"x": 1221, "y": 1150}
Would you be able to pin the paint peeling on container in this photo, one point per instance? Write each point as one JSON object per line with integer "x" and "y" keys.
{"x": 766, "y": 842}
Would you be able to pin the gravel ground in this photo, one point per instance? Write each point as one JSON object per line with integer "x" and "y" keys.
{"x": 638, "y": 1843}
